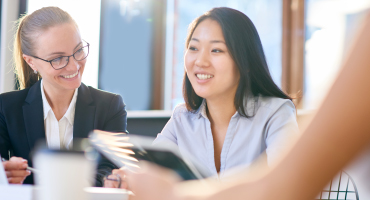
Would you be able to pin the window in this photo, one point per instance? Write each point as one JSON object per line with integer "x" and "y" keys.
{"x": 330, "y": 28}
{"x": 132, "y": 50}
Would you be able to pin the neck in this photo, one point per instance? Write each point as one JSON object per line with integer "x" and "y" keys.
{"x": 58, "y": 100}
{"x": 220, "y": 111}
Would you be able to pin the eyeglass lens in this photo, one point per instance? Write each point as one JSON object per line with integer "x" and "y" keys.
{"x": 63, "y": 61}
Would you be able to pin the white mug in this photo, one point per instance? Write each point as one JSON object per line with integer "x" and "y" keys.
{"x": 63, "y": 174}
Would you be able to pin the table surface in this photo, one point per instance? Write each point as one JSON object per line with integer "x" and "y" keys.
{"x": 29, "y": 192}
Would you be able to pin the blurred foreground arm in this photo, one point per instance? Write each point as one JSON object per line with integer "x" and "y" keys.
{"x": 338, "y": 132}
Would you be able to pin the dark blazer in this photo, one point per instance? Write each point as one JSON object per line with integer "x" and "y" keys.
{"x": 22, "y": 118}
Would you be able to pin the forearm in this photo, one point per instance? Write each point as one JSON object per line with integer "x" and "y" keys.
{"x": 338, "y": 132}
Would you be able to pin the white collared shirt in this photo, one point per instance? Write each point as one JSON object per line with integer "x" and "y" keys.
{"x": 59, "y": 134}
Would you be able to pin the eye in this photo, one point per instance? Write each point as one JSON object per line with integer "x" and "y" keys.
{"x": 59, "y": 61}
{"x": 192, "y": 48}
{"x": 217, "y": 50}
{"x": 56, "y": 60}
{"x": 78, "y": 51}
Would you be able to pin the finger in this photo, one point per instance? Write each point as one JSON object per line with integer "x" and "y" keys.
{"x": 10, "y": 165}
{"x": 110, "y": 184}
{"x": 17, "y": 173}
{"x": 120, "y": 173}
{"x": 18, "y": 159}
{"x": 113, "y": 177}
{"x": 112, "y": 181}
{"x": 124, "y": 185}
{"x": 16, "y": 180}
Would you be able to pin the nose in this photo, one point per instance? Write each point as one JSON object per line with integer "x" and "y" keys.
{"x": 202, "y": 59}
{"x": 73, "y": 64}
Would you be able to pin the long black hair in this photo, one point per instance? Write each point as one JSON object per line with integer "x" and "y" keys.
{"x": 244, "y": 45}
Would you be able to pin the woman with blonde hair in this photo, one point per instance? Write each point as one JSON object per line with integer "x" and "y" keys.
{"x": 52, "y": 103}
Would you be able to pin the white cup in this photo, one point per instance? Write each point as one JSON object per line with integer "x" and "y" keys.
{"x": 63, "y": 174}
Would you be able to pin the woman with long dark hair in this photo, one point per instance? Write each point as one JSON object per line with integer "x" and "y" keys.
{"x": 233, "y": 110}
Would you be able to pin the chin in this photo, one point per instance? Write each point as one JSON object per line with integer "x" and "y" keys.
{"x": 201, "y": 94}
{"x": 71, "y": 86}
{"x": 76, "y": 85}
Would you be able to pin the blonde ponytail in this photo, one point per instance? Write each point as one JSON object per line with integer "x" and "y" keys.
{"x": 25, "y": 76}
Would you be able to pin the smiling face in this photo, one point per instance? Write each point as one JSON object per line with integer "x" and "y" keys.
{"x": 57, "y": 41}
{"x": 208, "y": 64}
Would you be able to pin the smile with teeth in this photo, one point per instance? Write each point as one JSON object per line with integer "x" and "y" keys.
{"x": 70, "y": 76}
{"x": 204, "y": 76}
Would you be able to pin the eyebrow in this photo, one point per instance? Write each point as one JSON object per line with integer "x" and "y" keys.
{"x": 212, "y": 41}
{"x": 56, "y": 53}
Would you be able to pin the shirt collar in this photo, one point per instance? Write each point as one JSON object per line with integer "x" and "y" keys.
{"x": 250, "y": 101}
{"x": 45, "y": 102}
{"x": 202, "y": 110}
{"x": 252, "y": 104}
{"x": 70, "y": 114}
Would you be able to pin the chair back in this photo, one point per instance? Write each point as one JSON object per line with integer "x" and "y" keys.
{"x": 342, "y": 187}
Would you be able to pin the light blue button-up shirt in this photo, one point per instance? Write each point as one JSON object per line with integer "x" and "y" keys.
{"x": 273, "y": 124}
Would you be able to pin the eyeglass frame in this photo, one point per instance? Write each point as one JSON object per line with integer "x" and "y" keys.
{"x": 73, "y": 55}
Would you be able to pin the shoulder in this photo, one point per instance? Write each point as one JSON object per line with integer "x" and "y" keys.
{"x": 14, "y": 97}
{"x": 101, "y": 96}
{"x": 181, "y": 110}
{"x": 101, "y": 93}
{"x": 275, "y": 103}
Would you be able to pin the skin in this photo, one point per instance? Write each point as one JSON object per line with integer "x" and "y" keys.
{"x": 336, "y": 135}
{"x": 56, "y": 41}
{"x": 113, "y": 181}
{"x": 15, "y": 170}
{"x": 207, "y": 53}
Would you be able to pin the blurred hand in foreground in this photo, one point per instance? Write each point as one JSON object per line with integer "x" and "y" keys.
{"x": 16, "y": 170}
{"x": 117, "y": 179}
{"x": 152, "y": 182}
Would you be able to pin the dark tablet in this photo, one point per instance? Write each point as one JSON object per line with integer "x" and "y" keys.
{"x": 128, "y": 150}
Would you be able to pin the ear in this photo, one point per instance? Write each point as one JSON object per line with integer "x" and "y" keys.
{"x": 29, "y": 60}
